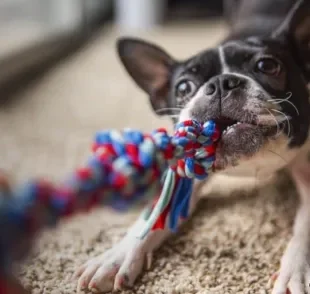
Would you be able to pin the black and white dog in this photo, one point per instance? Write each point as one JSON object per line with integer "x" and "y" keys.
{"x": 255, "y": 85}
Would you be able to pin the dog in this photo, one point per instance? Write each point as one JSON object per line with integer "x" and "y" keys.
{"x": 255, "y": 85}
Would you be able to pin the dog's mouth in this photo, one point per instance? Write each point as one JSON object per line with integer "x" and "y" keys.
{"x": 239, "y": 139}
{"x": 243, "y": 135}
{"x": 228, "y": 125}
{"x": 225, "y": 123}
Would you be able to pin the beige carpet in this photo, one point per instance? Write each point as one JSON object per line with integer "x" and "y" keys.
{"x": 230, "y": 246}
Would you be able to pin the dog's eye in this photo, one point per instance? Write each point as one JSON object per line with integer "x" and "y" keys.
{"x": 268, "y": 66}
{"x": 185, "y": 89}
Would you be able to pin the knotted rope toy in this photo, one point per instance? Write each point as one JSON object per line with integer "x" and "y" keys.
{"x": 125, "y": 168}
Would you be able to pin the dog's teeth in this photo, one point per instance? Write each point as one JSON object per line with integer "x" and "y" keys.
{"x": 231, "y": 127}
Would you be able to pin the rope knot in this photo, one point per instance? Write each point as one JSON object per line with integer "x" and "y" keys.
{"x": 198, "y": 148}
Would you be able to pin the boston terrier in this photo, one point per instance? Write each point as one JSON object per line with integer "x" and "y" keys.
{"x": 255, "y": 85}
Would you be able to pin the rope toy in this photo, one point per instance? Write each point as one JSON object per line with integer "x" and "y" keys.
{"x": 125, "y": 168}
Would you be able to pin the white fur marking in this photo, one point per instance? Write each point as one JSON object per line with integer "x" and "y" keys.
{"x": 225, "y": 68}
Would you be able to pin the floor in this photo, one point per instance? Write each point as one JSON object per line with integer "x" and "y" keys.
{"x": 230, "y": 246}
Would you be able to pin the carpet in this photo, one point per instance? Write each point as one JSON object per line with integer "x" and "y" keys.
{"x": 230, "y": 246}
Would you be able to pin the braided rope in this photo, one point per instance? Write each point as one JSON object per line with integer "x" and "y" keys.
{"x": 125, "y": 167}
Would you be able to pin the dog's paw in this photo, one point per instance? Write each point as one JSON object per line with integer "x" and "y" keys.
{"x": 115, "y": 269}
{"x": 297, "y": 282}
{"x": 294, "y": 274}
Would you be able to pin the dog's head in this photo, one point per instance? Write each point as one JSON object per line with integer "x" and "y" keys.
{"x": 255, "y": 88}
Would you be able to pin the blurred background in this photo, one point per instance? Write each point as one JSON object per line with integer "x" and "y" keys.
{"x": 61, "y": 80}
{"x": 34, "y": 31}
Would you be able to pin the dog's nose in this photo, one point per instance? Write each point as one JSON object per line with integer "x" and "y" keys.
{"x": 221, "y": 85}
{"x": 229, "y": 82}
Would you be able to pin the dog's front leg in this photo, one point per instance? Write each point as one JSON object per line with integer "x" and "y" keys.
{"x": 120, "y": 266}
{"x": 294, "y": 272}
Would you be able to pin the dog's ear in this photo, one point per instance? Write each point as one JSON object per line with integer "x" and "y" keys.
{"x": 295, "y": 30}
{"x": 149, "y": 66}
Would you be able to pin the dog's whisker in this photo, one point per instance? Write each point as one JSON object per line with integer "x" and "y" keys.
{"x": 276, "y": 121}
{"x": 289, "y": 95}
{"x": 278, "y": 100}
{"x": 165, "y": 109}
{"x": 287, "y": 119}
{"x": 170, "y": 108}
